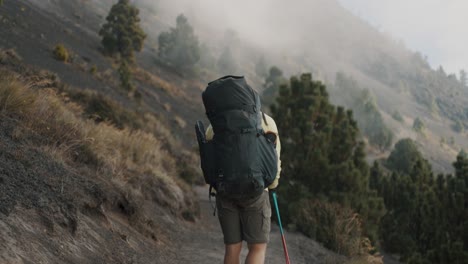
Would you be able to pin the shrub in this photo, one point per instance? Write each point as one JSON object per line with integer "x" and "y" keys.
{"x": 418, "y": 125}
{"x": 337, "y": 227}
{"x": 187, "y": 173}
{"x": 103, "y": 109}
{"x": 397, "y": 116}
{"x": 61, "y": 53}
{"x": 458, "y": 126}
{"x": 93, "y": 70}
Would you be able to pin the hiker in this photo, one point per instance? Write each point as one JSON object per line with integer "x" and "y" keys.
{"x": 240, "y": 153}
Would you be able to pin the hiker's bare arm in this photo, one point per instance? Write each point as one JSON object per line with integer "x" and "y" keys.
{"x": 278, "y": 174}
{"x": 270, "y": 126}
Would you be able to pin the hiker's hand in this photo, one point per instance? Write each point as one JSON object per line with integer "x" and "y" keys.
{"x": 273, "y": 185}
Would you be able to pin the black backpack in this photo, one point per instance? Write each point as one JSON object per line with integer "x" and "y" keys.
{"x": 240, "y": 161}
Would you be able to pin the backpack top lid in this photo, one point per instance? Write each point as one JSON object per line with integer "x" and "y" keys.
{"x": 230, "y": 93}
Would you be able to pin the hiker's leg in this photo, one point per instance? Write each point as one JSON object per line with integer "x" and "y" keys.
{"x": 256, "y": 254}
{"x": 255, "y": 218}
{"x": 228, "y": 216}
{"x": 232, "y": 253}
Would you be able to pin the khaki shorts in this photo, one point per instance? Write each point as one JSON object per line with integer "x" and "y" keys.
{"x": 248, "y": 220}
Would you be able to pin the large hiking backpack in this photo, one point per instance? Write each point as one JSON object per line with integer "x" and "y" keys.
{"x": 240, "y": 161}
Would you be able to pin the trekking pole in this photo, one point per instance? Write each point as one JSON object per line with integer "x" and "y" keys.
{"x": 281, "y": 228}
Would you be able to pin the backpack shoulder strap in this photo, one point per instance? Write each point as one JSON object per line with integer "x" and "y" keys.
{"x": 264, "y": 118}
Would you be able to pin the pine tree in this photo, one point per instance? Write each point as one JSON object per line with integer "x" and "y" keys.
{"x": 323, "y": 156}
{"x": 261, "y": 67}
{"x": 273, "y": 81}
{"x": 226, "y": 62}
{"x": 404, "y": 156}
{"x": 418, "y": 125}
{"x": 126, "y": 77}
{"x": 426, "y": 217}
{"x": 179, "y": 46}
{"x": 122, "y": 34}
{"x": 463, "y": 78}
{"x": 364, "y": 105}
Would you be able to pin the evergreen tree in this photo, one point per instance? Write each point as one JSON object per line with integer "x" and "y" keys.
{"x": 126, "y": 77}
{"x": 404, "y": 156}
{"x": 363, "y": 103}
{"x": 397, "y": 116}
{"x": 441, "y": 71}
{"x": 463, "y": 78}
{"x": 271, "y": 87}
{"x": 418, "y": 125}
{"x": 207, "y": 59}
{"x": 324, "y": 159}
{"x": 426, "y": 221}
{"x": 179, "y": 47}
{"x": 458, "y": 126}
{"x": 261, "y": 67}
{"x": 227, "y": 63}
{"x": 122, "y": 34}
{"x": 372, "y": 122}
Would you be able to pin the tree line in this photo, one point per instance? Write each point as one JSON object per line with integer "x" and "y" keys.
{"x": 332, "y": 195}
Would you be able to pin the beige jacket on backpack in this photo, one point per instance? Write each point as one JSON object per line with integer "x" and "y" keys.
{"x": 269, "y": 126}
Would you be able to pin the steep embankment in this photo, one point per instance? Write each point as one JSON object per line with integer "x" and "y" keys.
{"x": 76, "y": 191}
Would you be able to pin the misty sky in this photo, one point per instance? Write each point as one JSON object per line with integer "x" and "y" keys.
{"x": 436, "y": 28}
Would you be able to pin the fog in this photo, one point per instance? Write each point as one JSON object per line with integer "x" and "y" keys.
{"x": 266, "y": 22}
{"x": 437, "y": 28}
{"x": 299, "y": 36}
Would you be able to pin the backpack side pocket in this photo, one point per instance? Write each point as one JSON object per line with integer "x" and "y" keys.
{"x": 207, "y": 156}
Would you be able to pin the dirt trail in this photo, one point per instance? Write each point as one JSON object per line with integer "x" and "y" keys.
{"x": 202, "y": 242}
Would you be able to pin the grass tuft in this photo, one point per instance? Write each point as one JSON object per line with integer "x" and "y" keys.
{"x": 61, "y": 53}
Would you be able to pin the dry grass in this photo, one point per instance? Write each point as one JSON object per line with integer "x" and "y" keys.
{"x": 9, "y": 55}
{"x": 108, "y": 76}
{"x": 14, "y": 97}
{"x": 337, "y": 227}
{"x": 153, "y": 80}
{"x": 44, "y": 120}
